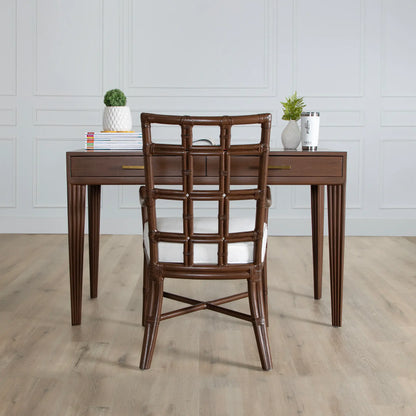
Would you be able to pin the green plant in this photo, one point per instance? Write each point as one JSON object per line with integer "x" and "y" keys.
{"x": 292, "y": 107}
{"x": 115, "y": 98}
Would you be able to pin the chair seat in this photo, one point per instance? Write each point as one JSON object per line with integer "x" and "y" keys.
{"x": 207, "y": 253}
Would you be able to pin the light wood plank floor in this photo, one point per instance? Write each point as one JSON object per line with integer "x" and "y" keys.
{"x": 205, "y": 363}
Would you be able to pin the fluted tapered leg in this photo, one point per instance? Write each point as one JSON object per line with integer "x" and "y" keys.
{"x": 94, "y": 197}
{"x": 317, "y": 209}
{"x": 154, "y": 308}
{"x": 76, "y": 226}
{"x": 255, "y": 294}
{"x": 336, "y": 233}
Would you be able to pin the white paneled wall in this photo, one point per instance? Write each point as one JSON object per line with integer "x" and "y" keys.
{"x": 352, "y": 61}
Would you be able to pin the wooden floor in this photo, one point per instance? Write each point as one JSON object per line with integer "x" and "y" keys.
{"x": 205, "y": 363}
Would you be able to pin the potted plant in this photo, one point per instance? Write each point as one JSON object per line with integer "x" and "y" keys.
{"x": 117, "y": 116}
{"x": 292, "y": 109}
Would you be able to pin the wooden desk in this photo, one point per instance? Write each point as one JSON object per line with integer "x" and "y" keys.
{"x": 317, "y": 169}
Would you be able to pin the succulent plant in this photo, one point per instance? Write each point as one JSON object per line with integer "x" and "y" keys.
{"x": 115, "y": 98}
{"x": 292, "y": 107}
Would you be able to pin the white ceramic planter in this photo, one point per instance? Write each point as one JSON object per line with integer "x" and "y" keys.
{"x": 291, "y": 136}
{"x": 117, "y": 119}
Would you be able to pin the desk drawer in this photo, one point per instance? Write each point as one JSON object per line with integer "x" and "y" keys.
{"x": 280, "y": 165}
{"x": 122, "y": 166}
{"x": 106, "y": 166}
{"x": 305, "y": 166}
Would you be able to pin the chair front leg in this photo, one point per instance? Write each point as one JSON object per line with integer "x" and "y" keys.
{"x": 152, "y": 318}
{"x": 146, "y": 289}
{"x": 265, "y": 291}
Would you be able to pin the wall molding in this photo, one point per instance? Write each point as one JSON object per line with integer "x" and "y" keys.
{"x": 341, "y": 118}
{"x": 382, "y": 193}
{"x": 8, "y": 117}
{"x": 295, "y": 64}
{"x": 13, "y": 82}
{"x": 55, "y": 116}
{"x": 36, "y": 200}
{"x": 405, "y": 90}
{"x": 12, "y": 203}
{"x": 267, "y": 89}
{"x": 363, "y": 87}
{"x": 37, "y": 91}
{"x": 398, "y": 118}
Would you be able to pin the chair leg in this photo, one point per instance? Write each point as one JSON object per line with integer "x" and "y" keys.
{"x": 255, "y": 294}
{"x": 265, "y": 293}
{"x": 145, "y": 290}
{"x": 154, "y": 308}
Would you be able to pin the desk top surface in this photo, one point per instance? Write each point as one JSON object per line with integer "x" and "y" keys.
{"x": 276, "y": 151}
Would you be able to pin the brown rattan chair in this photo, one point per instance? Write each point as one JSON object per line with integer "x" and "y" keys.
{"x": 190, "y": 247}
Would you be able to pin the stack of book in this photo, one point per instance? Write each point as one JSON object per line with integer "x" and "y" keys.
{"x": 113, "y": 140}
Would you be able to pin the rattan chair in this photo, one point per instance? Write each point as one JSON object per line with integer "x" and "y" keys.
{"x": 192, "y": 247}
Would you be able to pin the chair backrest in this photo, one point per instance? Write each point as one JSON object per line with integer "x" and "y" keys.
{"x": 226, "y": 157}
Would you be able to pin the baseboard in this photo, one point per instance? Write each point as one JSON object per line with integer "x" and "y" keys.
{"x": 353, "y": 227}
{"x": 277, "y": 227}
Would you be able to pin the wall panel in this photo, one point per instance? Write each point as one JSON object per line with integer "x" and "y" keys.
{"x": 398, "y": 62}
{"x": 7, "y": 117}
{"x": 208, "y": 48}
{"x": 352, "y": 61}
{"x": 69, "y": 48}
{"x": 398, "y": 174}
{"x": 328, "y": 42}
{"x": 8, "y": 170}
{"x": 398, "y": 118}
{"x": 49, "y": 176}
{"x": 68, "y": 117}
{"x": 8, "y": 47}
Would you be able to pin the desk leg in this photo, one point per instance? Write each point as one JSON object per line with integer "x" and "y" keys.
{"x": 76, "y": 225}
{"x": 94, "y": 198}
{"x": 336, "y": 234}
{"x": 317, "y": 210}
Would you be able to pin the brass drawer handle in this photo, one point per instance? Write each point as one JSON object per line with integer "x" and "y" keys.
{"x": 136, "y": 167}
{"x": 281, "y": 167}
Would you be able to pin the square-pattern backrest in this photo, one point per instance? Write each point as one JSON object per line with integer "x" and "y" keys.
{"x": 221, "y": 162}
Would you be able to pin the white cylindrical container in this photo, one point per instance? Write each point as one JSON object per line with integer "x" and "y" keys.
{"x": 309, "y": 130}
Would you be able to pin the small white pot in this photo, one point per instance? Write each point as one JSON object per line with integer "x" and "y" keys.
{"x": 291, "y": 136}
{"x": 117, "y": 119}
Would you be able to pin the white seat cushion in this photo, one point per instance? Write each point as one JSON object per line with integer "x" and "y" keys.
{"x": 238, "y": 253}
